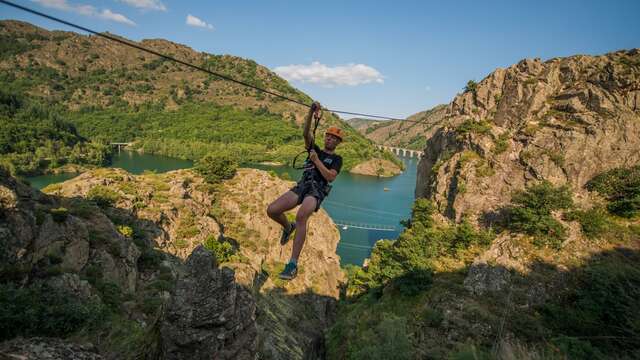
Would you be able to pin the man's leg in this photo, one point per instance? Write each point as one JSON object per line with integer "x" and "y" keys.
{"x": 276, "y": 209}
{"x": 307, "y": 208}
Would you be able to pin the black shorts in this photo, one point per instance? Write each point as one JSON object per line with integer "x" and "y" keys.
{"x": 309, "y": 188}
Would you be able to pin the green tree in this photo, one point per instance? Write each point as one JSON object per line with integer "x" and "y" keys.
{"x": 471, "y": 86}
{"x": 215, "y": 167}
{"x": 103, "y": 196}
{"x": 532, "y": 213}
{"x": 621, "y": 187}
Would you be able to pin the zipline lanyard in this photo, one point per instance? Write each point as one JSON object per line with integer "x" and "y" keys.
{"x": 316, "y": 116}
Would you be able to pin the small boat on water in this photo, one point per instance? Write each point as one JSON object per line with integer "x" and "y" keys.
{"x": 386, "y": 189}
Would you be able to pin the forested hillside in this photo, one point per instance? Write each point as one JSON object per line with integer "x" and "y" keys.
{"x": 34, "y": 138}
{"x": 114, "y": 94}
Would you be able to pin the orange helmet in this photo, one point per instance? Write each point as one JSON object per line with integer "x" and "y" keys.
{"x": 335, "y": 131}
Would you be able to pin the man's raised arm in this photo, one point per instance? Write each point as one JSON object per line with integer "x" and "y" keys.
{"x": 306, "y": 133}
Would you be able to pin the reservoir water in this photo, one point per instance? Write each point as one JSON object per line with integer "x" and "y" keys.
{"x": 355, "y": 200}
{"x": 131, "y": 161}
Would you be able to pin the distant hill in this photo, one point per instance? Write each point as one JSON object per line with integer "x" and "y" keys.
{"x": 363, "y": 124}
{"x": 410, "y": 135}
{"x": 113, "y": 93}
{"x": 81, "y": 71}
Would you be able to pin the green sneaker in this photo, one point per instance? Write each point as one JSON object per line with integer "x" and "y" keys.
{"x": 290, "y": 271}
{"x": 286, "y": 234}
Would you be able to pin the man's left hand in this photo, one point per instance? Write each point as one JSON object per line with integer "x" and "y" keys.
{"x": 313, "y": 156}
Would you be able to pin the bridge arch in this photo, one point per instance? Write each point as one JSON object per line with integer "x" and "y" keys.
{"x": 401, "y": 151}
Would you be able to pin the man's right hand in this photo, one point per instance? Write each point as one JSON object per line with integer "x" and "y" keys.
{"x": 315, "y": 108}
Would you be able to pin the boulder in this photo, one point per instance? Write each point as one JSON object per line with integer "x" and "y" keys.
{"x": 209, "y": 316}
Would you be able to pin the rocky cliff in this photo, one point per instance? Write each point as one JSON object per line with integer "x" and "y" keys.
{"x": 563, "y": 120}
{"x": 523, "y": 243}
{"x": 127, "y": 243}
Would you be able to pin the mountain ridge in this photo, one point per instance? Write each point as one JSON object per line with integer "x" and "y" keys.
{"x": 411, "y": 134}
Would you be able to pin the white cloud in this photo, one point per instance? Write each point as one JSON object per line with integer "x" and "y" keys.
{"x": 110, "y": 15}
{"x": 86, "y": 10}
{"x": 428, "y": 88}
{"x": 317, "y": 73}
{"x": 146, "y": 4}
{"x": 194, "y": 21}
{"x": 56, "y": 4}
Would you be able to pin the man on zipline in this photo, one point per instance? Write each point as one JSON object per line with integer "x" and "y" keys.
{"x": 320, "y": 169}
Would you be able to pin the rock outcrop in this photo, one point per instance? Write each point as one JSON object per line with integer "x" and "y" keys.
{"x": 178, "y": 211}
{"x": 377, "y": 167}
{"x": 292, "y": 315}
{"x": 65, "y": 241}
{"x": 209, "y": 316}
{"x": 39, "y": 232}
{"x": 71, "y": 252}
{"x": 563, "y": 120}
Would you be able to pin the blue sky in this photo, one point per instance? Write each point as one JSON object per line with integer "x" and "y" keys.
{"x": 388, "y": 58}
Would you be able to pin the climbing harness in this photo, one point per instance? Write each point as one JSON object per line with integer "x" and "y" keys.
{"x": 317, "y": 115}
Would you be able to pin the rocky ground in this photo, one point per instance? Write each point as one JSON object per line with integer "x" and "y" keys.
{"x": 142, "y": 237}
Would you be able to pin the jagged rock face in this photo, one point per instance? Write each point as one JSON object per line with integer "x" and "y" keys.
{"x": 292, "y": 315}
{"x": 244, "y": 200}
{"x": 60, "y": 251}
{"x": 172, "y": 208}
{"x": 209, "y": 316}
{"x": 35, "y": 241}
{"x": 180, "y": 213}
{"x": 46, "y": 349}
{"x": 564, "y": 120}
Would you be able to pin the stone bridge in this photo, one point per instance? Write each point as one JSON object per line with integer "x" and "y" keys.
{"x": 120, "y": 145}
{"x": 401, "y": 151}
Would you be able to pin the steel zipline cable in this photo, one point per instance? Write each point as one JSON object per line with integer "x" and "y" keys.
{"x": 187, "y": 64}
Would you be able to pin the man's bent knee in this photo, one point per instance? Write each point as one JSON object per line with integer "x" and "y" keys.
{"x": 302, "y": 217}
{"x": 305, "y": 210}
{"x": 272, "y": 211}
